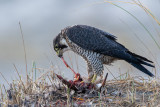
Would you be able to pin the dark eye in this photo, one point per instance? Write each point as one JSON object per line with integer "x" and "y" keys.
{"x": 56, "y": 48}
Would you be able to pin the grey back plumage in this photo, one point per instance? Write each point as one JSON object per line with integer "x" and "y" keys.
{"x": 96, "y": 40}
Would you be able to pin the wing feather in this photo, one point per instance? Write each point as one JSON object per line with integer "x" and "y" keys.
{"x": 96, "y": 40}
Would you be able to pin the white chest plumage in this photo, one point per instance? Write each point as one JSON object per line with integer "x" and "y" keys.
{"x": 92, "y": 58}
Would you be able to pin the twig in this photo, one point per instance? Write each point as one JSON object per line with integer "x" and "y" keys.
{"x": 19, "y": 75}
{"x": 4, "y": 78}
{"x": 24, "y": 49}
{"x": 111, "y": 73}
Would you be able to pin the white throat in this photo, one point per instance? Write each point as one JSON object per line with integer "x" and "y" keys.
{"x": 63, "y": 41}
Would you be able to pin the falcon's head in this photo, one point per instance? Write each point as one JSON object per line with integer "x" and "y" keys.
{"x": 60, "y": 45}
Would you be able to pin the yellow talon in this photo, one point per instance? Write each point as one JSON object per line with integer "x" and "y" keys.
{"x": 94, "y": 78}
{"x": 82, "y": 82}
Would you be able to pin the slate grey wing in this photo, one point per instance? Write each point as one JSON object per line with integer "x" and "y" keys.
{"x": 108, "y": 35}
{"x": 96, "y": 40}
{"x": 93, "y": 39}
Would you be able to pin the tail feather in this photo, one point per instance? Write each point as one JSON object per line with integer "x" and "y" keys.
{"x": 141, "y": 60}
{"x": 139, "y": 57}
{"x": 143, "y": 69}
{"x": 137, "y": 62}
{"x": 145, "y": 63}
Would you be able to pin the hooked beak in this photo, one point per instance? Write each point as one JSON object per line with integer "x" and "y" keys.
{"x": 59, "y": 53}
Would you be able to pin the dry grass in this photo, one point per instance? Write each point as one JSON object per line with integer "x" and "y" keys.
{"x": 48, "y": 91}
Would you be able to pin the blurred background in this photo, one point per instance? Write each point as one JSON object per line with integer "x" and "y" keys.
{"x": 42, "y": 20}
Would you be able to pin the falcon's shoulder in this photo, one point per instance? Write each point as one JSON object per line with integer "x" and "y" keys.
{"x": 80, "y": 30}
{"x": 91, "y": 38}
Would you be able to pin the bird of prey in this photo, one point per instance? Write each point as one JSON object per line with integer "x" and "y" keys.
{"x": 97, "y": 47}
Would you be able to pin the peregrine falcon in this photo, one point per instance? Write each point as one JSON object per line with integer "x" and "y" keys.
{"x": 97, "y": 47}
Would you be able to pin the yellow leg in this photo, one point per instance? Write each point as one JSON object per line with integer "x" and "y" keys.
{"x": 94, "y": 78}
